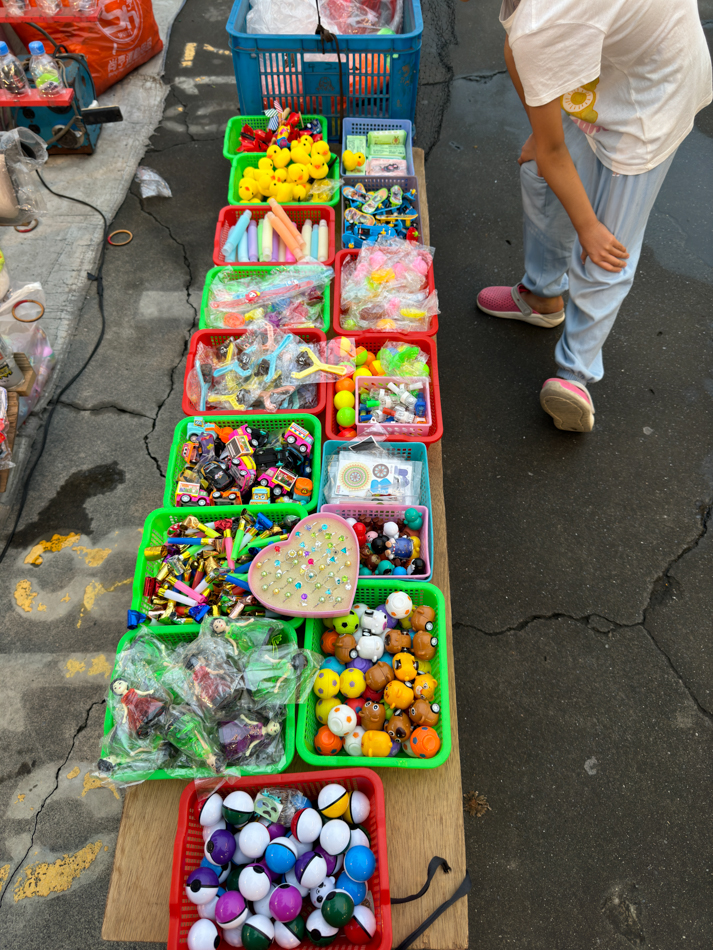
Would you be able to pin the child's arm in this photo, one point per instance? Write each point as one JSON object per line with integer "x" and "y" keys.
{"x": 557, "y": 168}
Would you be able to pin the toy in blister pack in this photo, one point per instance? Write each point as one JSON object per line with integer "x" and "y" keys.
{"x": 386, "y": 287}
{"x": 290, "y": 297}
{"x": 364, "y": 471}
{"x": 229, "y": 466}
{"x": 390, "y": 212}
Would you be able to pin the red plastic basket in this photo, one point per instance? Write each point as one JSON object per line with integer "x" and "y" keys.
{"x": 215, "y": 338}
{"x": 339, "y": 260}
{"x": 188, "y": 849}
{"x": 373, "y": 343}
{"x": 229, "y": 215}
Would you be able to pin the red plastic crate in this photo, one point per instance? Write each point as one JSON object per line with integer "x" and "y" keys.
{"x": 373, "y": 343}
{"x": 215, "y": 338}
{"x": 188, "y": 849}
{"x": 229, "y": 215}
{"x": 339, "y": 260}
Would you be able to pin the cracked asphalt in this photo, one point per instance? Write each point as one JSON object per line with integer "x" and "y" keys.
{"x": 580, "y": 565}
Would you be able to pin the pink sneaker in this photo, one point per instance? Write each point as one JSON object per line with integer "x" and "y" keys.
{"x": 569, "y": 404}
{"x": 506, "y": 302}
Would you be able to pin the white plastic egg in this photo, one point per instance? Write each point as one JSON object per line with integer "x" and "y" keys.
{"x": 335, "y": 836}
{"x": 254, "y": 882}
{"x": 211, "y": 811}
{"x": 203, "y": 935}
{"x": 253, "y": 840}
{"x": 352, "y": 741}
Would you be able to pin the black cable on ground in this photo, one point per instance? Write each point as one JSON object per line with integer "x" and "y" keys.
{"x": 55, "y": 401}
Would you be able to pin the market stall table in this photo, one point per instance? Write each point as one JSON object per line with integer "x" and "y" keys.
{"x": 424, "y": 808}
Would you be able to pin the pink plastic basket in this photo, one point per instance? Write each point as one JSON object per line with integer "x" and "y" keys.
{"x": 389, "y": 513}
{"x": 400, "y": 429}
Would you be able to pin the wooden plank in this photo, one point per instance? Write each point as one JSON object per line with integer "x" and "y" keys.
{"x": 13, "y": 406}
{"x": 424, "y": 808}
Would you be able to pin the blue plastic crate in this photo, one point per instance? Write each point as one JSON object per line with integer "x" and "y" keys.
{"x": 359, "y": 126}
{"x": 414, "y": 451}
{"x": 379, "y": 73}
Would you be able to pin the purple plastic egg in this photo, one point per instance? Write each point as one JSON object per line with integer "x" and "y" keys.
{"x": 310, "y": 870}
{"x": 274, "y": 878}
{"x": 395, "y": 748}
{"x": 285, "y": 902}
{"x": 329, "y": 858}
{"x": 277, "y": 831}
{"x": 361, "y": 664}
{"x": 231, "y": 910}
{"x": 220, "y": 847}
{"x": 201, "y": 885}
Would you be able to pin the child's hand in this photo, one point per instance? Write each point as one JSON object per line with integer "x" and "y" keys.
{"x": 528, "y": 151}
{"x": 602, "y": 248}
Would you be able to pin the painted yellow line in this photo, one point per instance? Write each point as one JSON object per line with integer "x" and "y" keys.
{"x": 42, "y": 879}
{"x": 189, "y": 54}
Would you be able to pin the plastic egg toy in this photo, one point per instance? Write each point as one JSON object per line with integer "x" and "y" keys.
{"x": 332, "y": 801}
{"x": 338, "y": 908}
{"x": 405, "y": 667}
{"x": 202, "y": 885}
{"x": 289, "y": 935}
{"x": 306, "y": 825}
{"x": 341, "y": 720}
{"x": 326, "y": 743}
{"x": 220, "y": 847}
{"x": 370, "y": 648}
{"x": 352, "y": 743}
{"x": 209, "y": 829}
{"x": 349, "y": 623}
{"x": 207, "y": 911}
{"x": 334, "y": 837}
{"x": 238, "y": 856}
{"x": 359, "y": 837}
{"x": 253, "y": 840}
{"x": 327, "y": 641}
{"x": 318, "y": 930}
{"x": 398, "y": 695}
{"x": 310, "y": 870}
{"x": 332, "y": 860}
{"x": 362, "y": 927}
{"x": 203, "y": 935}
{"x": 359, "y": 863}
{"x": 425, "y": 742}
{"x": 398, "y": 604}
{"x": 231, "y": 882}
{"x": 254, "y": 882}
{"x": 424, "y": 687}
{"x": 238, "y": 808}
{"x": 280, "y": 855}
{"x": 375, "y": 744}
{"x": 358, "y": 808}
{"x": 352, "y": 683}
{"x": 326, "y": 684}
{"x": 258, "y": 932}
{"x": 222, "y": 870}
{"x": 318, "y": 893}
{"x": 210, "y": 810}
{"x": 285, "y": 902}
{"x": 291, "y": 878}
{"x": 355, "y": 889}
{"x": 231, "y": 911}
{"x": 234, "y": 938}
{"x": 323, "y": 707}
{"x": 263, "y": 905}
{"x": 332, "y": 663}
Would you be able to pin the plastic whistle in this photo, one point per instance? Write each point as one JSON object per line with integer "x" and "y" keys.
{"x": 189, "y": 592}
{"x": 238, "y": 582}
{"x": 291, "y": 240}
{"x": 323, "y": 241}
{"x": 266, "y": 238}
{"x": 177, "y": 598}
{"x": 252, "y": 242}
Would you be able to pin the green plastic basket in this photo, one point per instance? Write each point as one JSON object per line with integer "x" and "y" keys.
{"x": 373, "y": 593}
{"x": 270, "y": 423}
{"x": 231, "y": 142}
{"x": 244, "y": 159}
{"x": 185, "y": 634}
{"x": 159, "y": 521}
{"x": 260, "y": 271}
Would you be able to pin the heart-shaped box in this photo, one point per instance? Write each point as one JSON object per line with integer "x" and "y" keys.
{"x": 311, "y": 574}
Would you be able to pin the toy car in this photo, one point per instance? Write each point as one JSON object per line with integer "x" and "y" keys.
{"x": 243, "y": 471}
{"x": 299, "y": 438}
{"x": 260, "y": 495}
{"x": 225, "y": 498}
{"x": 278, "y": 480}
{"x": 257, "y": 437}
{"x": 217, "y": 475}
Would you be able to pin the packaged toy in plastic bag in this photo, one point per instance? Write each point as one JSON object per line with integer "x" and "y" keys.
{"x": 5, "y": 450}
{"x": 397, "y": 358}
{"x": 290, "y": 297}
{"x": 280, "y": 674}
{"x": 366, "y": 471}
{"x": 323, "y": 362}
{"x": 386, "y": 287}
{"x": 337, "y": 16}
{"x": 254, "y": 736}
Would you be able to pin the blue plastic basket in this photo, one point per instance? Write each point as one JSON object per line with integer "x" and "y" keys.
{"x": 379, "y": 73}
{"x": 414, "y": 451}
{"x": 359, "y": 126}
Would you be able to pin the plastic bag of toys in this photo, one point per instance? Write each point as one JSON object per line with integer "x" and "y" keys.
{"x": 365, "y": 471}
{"x": 338, "y": 16}
{"x": 280, "y": 673}
{"x": 5, "y": 450}
{"x": 397, "y": 358}
{"x": 325, "y": 362}
{"x": 254, "y": 736}
{"x": 386, "y": 287}
{"x": 207, "y": 674}
{"x": 285, "y": 296}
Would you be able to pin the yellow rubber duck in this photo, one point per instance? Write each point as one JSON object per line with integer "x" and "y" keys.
{"x": 297, "y": 173}
{"x": 285, "y": 192}
{"x": 317, "y": 169}
{"x": 250, "y": 172}
{"x": 349, "y": 160}
{"x": 280, "y": 174}
{"x": 321, "y": 150}
{"x": 247, "y": 189}
{"x": 265, "y": 164}
{"x": 300, "y": 155}
{"x": 280, "y": 157}
{"x": 265, "y": 183}
{"x": 306, "y": 141}
{"x": 301, "y": 192}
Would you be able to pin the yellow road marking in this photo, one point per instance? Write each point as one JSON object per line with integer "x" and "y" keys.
{"x": 4, "y": 871}
{"x": 96, "y": 589}
{"x": 73, "y": 667}
{"x": 57, "y": 543}
{"x": 189, "y": 54}
{"x": 99, "y": 665}
{"x": 24, "y": 595}
{"x": 91, "y": 781}
{"x": 92, "y": 556}
{"x": 42, "y": 879}
{"x": 74, "y": 773}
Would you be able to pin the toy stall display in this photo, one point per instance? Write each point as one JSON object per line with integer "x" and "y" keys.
{"x": 387, "y": 285}
{"x": 379, "y": 206}
{"x": 365, "y": 471}
{"x": 392, "y": 540}
{"x": 194, "y": 562}
{"x": 314, "y": 224}
{"x": 298, "y": 861}
{"x": 288, "y": 297}
{"x": 270, "y": 461}
{"x": 216, "y": 703}
{"x": 382, "y": 690}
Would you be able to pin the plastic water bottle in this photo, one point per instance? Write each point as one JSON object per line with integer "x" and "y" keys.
{"x": 12, "y": 75}
{"x": 45, "y": 71}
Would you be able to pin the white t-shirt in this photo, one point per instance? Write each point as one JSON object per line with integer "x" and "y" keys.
{"x": 631, "y": 73}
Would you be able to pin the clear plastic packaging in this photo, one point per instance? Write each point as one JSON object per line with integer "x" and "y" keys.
{"x": 337, "y": 16}
{"x": 16, "y": 7}
{"x": 5, "y": 450}
{"x": 386, "y": 287}
{"x": 151, "y": 184}
{"x": 12, "y": 76}
{"x": 402, "y": 359}
{"x": 323, "y": 362}
{"x": 21, "y": 200}
{"x": 290, "y": 297}
{"x": 365, "y": 471}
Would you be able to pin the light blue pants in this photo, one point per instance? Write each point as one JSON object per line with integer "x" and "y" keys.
{"x": 552, "y": 251}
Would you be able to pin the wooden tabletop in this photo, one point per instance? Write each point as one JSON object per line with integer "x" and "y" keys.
{"x": 424, "y": 808}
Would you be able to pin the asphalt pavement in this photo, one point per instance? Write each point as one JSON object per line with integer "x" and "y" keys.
{"x": 580, "y": 564}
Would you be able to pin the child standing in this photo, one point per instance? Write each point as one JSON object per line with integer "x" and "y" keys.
{"x": 630, "y": 76}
